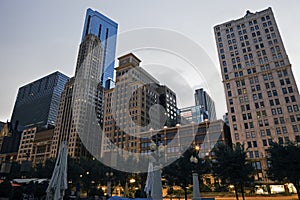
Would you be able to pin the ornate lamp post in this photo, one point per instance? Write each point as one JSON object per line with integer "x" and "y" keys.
{"x": 194, "y": 159}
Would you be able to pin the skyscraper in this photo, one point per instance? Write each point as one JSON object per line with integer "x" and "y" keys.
{"x": 37, "y": 102}
{"x": 261, "y": 92}
{"x": 81, "y": 105}
{"x": 106, "y": 30}
{"x": 206, "y": 102}
{"x": 80, "y": 101}
{"x": 137, "y": 104}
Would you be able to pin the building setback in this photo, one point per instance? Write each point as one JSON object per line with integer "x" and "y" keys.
{"x": 261, "y": 92}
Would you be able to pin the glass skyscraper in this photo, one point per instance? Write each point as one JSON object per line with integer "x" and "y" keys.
{"x": 106, "y": 30}
{"x": 206, "y": 102}
{"x": 37, "y": 102}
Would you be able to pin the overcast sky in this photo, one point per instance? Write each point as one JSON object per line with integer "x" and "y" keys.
{"x": 40, "y": 37}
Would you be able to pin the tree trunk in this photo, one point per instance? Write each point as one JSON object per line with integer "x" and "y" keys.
{"x": 236, "y": 192}
{"x": 242, "y": 191}
{"x": 185, "y": 193}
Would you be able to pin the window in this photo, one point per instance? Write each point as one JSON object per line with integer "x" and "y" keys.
{"x": 265, "y": 143}
{"x": 250, "y": 116}
{"x": 237, "y": 137}
{"x": 229, "y": 93}
{"x": 249, "y": 144}
{"x": 280, "y": 140}
{"x": 247, "y": 135}
{"x": 298, "y": 117}
{"x": 284, "y": 91}
{"x": 235, "y": 127}
{"x": 256, "y": 154}
{"x": 281, "y": 119}
{"x": 254, "y": 144}
{"x": 284, "y": 130}
{"x": 290, "y": 89}
{"x": 295, "y": 128}
{"x": 287, "y": 99}
{"x": 278, "y": 130}
{"x": 292, "y": 118}
{"x": 266, "y": 122}
{"x": 251, "y": 155}
{"x": 233, "y": 118}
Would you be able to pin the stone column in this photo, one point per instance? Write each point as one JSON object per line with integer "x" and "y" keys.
{"x": 196, "y": 191}
{"x": 156, "y": 192}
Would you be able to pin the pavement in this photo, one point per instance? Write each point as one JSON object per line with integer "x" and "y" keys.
{"x": 292, "y": 197}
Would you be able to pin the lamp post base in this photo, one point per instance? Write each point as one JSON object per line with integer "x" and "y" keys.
{"x": 157, "y": 185}
{"x": 196, "y": 191}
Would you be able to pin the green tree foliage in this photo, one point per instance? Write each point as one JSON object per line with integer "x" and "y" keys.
{"x": 285, "y": 163}
{"x": 5, "y": 188}
{"x": 44, "y": 170}
{"x": 231, "y": 166}
{"x": 180, "y": 172}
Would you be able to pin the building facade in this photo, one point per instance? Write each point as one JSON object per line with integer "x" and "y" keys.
{"x": 195, "y": 114}
{"x": 137, "y": 104}
{"x": 261, "y": 92}
{"x": 81, "y": 101}
{"x": 206, "y": 103}
{"x": 205, "y": 135}
{"x": 37, "y": 102}
{"x": 106, "y": 30}
{"x": 35, "y": 145}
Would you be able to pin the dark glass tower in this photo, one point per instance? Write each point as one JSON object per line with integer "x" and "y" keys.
{"x": 37, "y": 102}
{"x": 207, "y": 104}
{"x": 106, "y": 30}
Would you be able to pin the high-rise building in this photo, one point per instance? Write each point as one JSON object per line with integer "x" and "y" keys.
{"x": 37, "y": 102}
{"x": 81, "y": 101}
{"x": 261, "y": 92}
{"x": 192, "y": 114}
{"x": 106, "y": 30}
{"x": 206, "y": 102}
{"x": 35, "y": 145}
{"x": 137, "y": 104}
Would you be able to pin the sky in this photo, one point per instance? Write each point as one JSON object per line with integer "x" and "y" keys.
{"x": 40, "y": 37}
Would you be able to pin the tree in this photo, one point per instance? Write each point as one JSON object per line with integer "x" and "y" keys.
{"x": 5, "y": 188}
{"x": 231, "y": 165}
{"x": 180, "y": 171}
{"x": 285, "y": 163}
{"x": 44, "y": 170}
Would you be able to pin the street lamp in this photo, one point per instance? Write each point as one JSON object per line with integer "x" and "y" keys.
{"x": 194, "y": 159}
{"x": 109, "y": 176}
